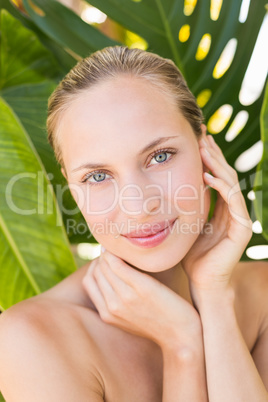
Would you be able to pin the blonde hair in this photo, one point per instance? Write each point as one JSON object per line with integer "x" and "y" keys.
{"x": 111, "y": 62}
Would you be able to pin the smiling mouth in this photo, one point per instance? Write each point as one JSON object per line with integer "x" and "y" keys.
{"x": 155, "y": 228}
{"x": 154, "y": 239}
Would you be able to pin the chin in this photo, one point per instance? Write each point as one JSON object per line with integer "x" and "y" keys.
{"x": 162, "y": 259}
{"x": 151, "y": 264}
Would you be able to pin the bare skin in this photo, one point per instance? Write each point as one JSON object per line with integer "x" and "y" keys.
{"x": 123, "y": 367}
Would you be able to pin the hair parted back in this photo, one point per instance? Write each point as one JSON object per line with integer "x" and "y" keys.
{"x": 109, "y": 63}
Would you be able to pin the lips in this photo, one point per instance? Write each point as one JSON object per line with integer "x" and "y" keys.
{"x": 149, "y": 229}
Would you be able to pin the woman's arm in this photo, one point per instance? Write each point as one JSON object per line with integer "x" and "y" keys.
{"x": 184, "y": 372}
{"x": 231, "y": 372}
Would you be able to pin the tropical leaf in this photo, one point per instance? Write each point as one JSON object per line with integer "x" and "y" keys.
{"x": 66, "y": 28}
{"x": 261, "y": 180}
{"x": 64, "y": 59}
{"x": 27, "y": 79}
{"x": 35, "y": 252}
{"x": 2, "y": 398}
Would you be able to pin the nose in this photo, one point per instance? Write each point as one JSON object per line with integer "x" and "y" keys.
{"x": 140, "y": 200}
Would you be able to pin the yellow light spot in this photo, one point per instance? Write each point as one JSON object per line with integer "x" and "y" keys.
{"x": 133, "y": 40}
{"x": 189, "y": 6}
{"x": 225, "y": 59}
{"x": 237, "y": 125}
{"x": 219, "y": 119}
{"x": 203, "y": 47}
{"x": 203, "y": 98}
{"x": 184, "y": 33}
{"x": 215, "y": 8}
{"x": 16, "y": 2}
{"x": 36, "y": 9}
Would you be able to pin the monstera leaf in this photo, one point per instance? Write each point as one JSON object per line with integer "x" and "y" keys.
{"x": 35, "y": 252}
{"x": 68, "y": 29}
{"x": 261, "y": 180}
{"x": 29, "y": 102}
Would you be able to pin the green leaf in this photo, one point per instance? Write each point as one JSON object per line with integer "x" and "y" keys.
{"x": 35, "y": 252}
{"x": 261, "y": 181}
{"x": 66, "y": 28}
{"x": 2, "y": 398}
{"x": 26, "y": 86}
{"x": 64, "y": 59}
{"x": 154, "y": 20}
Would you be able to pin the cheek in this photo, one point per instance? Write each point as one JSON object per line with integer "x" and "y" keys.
{"x": 96, "y": 202}
{"x": 187, "y": 190}
{"x": 97, "y": 208}
{"x": 191, "y": 198}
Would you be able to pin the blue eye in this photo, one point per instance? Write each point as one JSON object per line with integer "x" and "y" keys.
{"x": 160, "y": 156}
{"x": 98, "y": 177}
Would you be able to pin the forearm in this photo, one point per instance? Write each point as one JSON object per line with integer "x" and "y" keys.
{"x": 231, "y": 372}
{"x": 184, "y": 373}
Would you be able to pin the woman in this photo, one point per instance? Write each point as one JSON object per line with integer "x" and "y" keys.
{"x": 166, "y": 312}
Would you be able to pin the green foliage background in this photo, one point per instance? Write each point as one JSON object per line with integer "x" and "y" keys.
{"x": 37, "y": 48}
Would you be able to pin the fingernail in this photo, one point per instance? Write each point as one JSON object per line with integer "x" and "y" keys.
{"x": 102, "y": 249}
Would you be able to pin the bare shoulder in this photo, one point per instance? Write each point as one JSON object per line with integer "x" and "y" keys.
{"x": 250, "y": 278}
{"x": 42, "y": 359}
{"x": 250, "y": 281}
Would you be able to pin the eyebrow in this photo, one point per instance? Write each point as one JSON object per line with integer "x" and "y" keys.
{"x": 147, "y": 148}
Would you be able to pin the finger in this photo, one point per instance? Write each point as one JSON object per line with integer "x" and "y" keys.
{"x": 213, "y": 144}
{"x": 129, "y": 275}
{"x": 118, "y": 285}
{"x": 208, "y": 141}
{"x": 220, "y": 216}
{"x": 218, "y": 166}
{"x": 215, "y": 152}
{"x": 90, "y": 285}
{"x": 104, "y": 285}
{"x": 236, "y": 204}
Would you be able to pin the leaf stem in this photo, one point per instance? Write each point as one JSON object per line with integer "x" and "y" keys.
{"x": 18, "y": 255}
{"x": 170, "y": 38}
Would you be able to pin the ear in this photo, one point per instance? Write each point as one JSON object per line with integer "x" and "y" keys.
{"x": 203, "y": 136}
{"x": 204, "y": 132}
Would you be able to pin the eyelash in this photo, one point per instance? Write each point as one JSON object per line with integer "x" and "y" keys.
{"x": 158, "y": 151}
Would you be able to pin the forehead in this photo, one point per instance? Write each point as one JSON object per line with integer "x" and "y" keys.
{"x": 123, "y": 110}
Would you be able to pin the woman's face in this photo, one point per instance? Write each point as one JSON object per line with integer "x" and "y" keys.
{"x": 131, "y": 186}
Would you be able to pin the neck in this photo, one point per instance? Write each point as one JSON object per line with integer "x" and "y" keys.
{"x": 174, "y": 278}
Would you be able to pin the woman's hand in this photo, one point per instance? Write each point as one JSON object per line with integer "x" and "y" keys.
{"x": 140, "y": 304}
{"x": 210, "y": 262}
